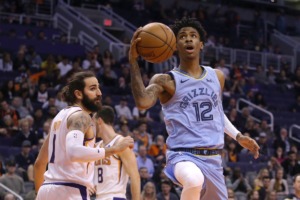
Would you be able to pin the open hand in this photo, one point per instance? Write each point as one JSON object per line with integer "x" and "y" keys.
{"x": 249, "y": 144}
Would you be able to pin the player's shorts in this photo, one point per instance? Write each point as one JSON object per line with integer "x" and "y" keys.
{"x": 65, "y": 191}
{"x": 115, "y": 196}
{"x": 211, "y": 166}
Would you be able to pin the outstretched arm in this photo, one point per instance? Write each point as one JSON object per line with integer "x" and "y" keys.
{"x": 144, "y": 97}
{"x": 79, "y": 124}
{"x": 231, "y": 130}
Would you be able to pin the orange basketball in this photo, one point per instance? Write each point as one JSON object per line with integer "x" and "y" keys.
{"x": 157, "y": 42}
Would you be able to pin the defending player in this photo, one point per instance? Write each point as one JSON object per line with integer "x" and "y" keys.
{"x": 112, "y": 173}
{"x": 69, "y": 149}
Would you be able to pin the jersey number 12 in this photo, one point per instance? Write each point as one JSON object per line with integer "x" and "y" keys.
{"x": 202, "y": 111}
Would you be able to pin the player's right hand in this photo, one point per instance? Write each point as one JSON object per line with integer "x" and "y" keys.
{"x": 133, "y": 54}
{"x": 92, "y": 190}
{"x": 124, "y": 143}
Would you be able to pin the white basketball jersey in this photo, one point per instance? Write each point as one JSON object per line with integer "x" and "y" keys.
{"x": 60, "y": 167}
{"x": 110, "y": 175}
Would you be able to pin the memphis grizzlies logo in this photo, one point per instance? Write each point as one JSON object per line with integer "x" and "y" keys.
{"x": 199, "y": 92}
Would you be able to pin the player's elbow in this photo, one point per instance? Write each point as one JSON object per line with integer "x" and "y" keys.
{"x": 144, "y": 105}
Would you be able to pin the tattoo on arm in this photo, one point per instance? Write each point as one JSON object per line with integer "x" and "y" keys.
{"x": 138, "y": 88}
{"x": 79, "y": 121}
{"x": 137, "y": 85}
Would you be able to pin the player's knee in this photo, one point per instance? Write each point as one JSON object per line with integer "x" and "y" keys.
{"x": 194, "y": 180}
{"x": 189, "y": 175}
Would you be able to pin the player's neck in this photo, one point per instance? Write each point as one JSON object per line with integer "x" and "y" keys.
{"x": 191, "y": 70}
{"x": 82, "y": 107}
{"x": 107, "y": 133}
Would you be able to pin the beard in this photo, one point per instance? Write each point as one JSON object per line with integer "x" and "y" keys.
{"x": 91, "y": 104}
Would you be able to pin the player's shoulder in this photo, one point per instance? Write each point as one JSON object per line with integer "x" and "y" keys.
{"x": 219, "y": 74}
{"x": 80, "y": 114}
{"x": 79, "y": 119}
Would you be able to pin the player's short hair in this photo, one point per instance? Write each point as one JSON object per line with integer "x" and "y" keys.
{"x": 295, "y": 177}
{"x": 76, "y": 83}
{"x": 107, "y": 114}
{"x": 189, "y": 22}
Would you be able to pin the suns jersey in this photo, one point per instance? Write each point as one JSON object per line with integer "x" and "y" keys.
{"x": 194, "y": 116}
{"x": 60, "y": 167}
{"x": 110, "y": 175}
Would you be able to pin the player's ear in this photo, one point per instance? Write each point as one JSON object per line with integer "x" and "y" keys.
{"x": 78, "y": 94}
{"x": 201, "y": 45}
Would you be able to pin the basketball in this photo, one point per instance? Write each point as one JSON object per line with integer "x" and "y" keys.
{"x": 157, "y": 42}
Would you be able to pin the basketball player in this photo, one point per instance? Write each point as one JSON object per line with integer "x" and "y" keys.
{"x": 191, "y": 99}
{"x": 112, "y": 173}
{"x": 69, "y": 150}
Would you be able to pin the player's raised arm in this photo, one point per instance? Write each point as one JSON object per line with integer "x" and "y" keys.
{"x": 144, "y": 97}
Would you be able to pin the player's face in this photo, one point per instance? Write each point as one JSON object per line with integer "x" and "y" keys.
{"x": 188, "y": 43}
{"x": 91, "y": 97}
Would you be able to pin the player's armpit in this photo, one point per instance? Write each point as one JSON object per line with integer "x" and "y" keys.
{"x": 79, "y": 121}
{"x": 129, "y": 162}
{"x": 40, "y": 165}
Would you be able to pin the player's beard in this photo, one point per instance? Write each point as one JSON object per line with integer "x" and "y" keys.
{"x": 91, "y": 104}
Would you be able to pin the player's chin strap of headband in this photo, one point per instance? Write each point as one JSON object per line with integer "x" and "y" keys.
{"x": 79, "y": 153}
{"x": 230, "y": 128}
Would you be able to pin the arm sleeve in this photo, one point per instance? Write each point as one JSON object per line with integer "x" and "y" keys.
{"x": 79, "y": 153}
{"x": 230, "y": 128}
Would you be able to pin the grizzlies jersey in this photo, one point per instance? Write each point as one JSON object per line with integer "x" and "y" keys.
{"x": 60, "y": 167}
{"x": 194, "y": 116}
{"x": 110, "y": 175}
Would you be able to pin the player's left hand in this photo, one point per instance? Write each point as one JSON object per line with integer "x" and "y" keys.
{"x": 249, "y": 144}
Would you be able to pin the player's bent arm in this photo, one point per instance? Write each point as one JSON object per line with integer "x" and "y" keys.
{"x": 130, "y": 164}
{"x": 79, "y": 153}
{"x": 40, "y": 165}
{"x": 144, "y": 97}
{"x": 78, "y": 124}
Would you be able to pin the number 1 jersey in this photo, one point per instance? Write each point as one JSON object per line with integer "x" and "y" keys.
{"x": 60, "y": 167}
